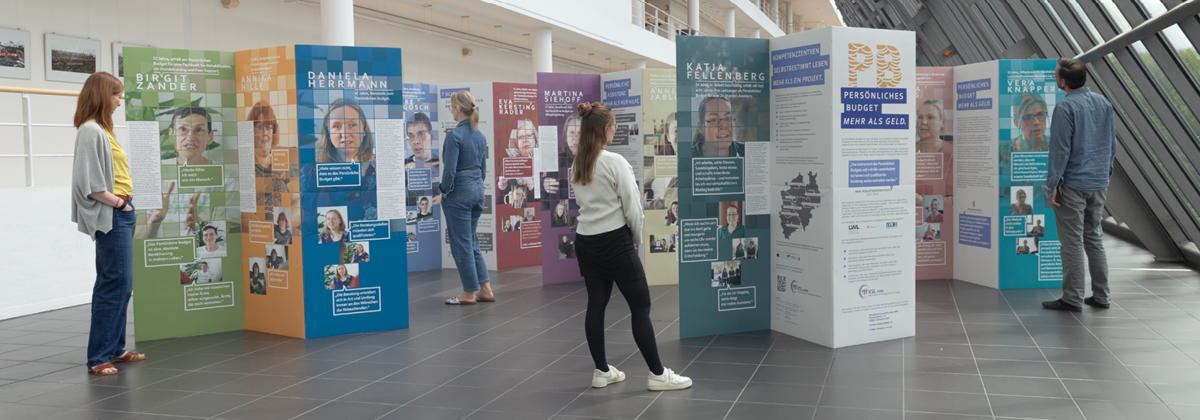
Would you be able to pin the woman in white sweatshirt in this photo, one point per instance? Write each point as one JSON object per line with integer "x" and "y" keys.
{"x": 610, "y": 228}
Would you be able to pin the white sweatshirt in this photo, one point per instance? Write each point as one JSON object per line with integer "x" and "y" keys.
{"x": 611, "y": 200}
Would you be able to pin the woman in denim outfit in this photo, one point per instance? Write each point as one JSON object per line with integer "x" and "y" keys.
{"x": 464, "y": 159}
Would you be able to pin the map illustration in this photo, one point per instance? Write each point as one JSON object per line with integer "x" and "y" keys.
{"x": 799, "y": 201}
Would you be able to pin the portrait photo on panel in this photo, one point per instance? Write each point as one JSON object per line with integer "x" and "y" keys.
{"x": 560, "y": 215}
{"x": 522, "y": 140}
{"x": 929, "y": 232}
{"x": 717, "y": 127}
{"x": 190, "y": 135}
{"x": 745, "y": 248}
{"x": 283, "y": 225}
{"x": 514, "y": 191}
{"x": 341, "y": 276}
{"x": 566, "y": 247}
{"x": 933, "y": 208}
{"x": 1027, "y": 246}
{"x": 266, "y": 137}
{"x": 200, "y": 272}
{"x": 1035, "y": 226}
{"x": 1031, "y": 122}
{"x": 663, "y": 243}
{"x": 210, "y": 239}
{"x": 345, "y": 134}
{"x": 668, "y": 143}
{"x": 726, "y": 273}
{"x": 277, "y": 257}
{"x": 410, "y": 233}
{"x": 331, "y": 225}
{"x": 1021, "y": 200}
{"x": 356, "y": 252}
{"x": 530, "y": 214}
{"x": 731, "y": 220}
{"x": 256, "y": 267}
{"x": 421, "y": 142}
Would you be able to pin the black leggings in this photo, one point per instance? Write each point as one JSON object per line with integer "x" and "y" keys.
{"x": 637, "y": 294}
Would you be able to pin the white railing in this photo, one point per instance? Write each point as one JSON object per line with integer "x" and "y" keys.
{"x": 803, "y": 26}
{"x": 28, "y": 125}
{"x": 660, "y": 22}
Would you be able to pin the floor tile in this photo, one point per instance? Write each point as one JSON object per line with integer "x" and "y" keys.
{"x": 1111, "y": 391}
{"x": 946, "y": 402}
{"x": 671, "y": 409}
{"x": 1029, "y": 387}
{"x": 1120, "y": 410}
{"x": 1037, "y": 408}
{"x": 745, "y": 410}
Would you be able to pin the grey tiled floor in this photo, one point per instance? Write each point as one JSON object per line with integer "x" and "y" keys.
{"x": 978, "y": 354}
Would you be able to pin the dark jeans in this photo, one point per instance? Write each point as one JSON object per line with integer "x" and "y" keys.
{"x": 1078, "y": 220}
{"x": 114, "y": 286}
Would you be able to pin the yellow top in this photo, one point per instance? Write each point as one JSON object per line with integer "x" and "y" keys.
{"x": 123, "y": 184}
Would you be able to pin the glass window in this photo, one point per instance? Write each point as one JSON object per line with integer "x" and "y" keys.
{"x": 1061, "y": 27}
{"x": 1162, "y": 133}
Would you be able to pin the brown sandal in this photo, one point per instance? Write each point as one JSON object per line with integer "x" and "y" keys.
{"x": 130, "y": 357}
{"x": 482, "y": 299}
{"x": 103, "y": 370}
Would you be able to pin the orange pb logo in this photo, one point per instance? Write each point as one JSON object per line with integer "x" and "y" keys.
{"x": 884, "y": 58}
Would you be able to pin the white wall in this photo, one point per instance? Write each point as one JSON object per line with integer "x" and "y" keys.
{"x": 48, "y": 264}
{"x": 52, "y": 267}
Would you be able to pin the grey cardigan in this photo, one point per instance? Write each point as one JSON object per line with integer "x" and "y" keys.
{"x": 92, "y": 172}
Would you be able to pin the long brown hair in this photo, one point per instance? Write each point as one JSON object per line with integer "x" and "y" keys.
{"x": 593, "y": 135}
{"x": 95, "y": 102}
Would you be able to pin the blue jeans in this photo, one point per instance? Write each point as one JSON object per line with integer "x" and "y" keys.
{"x": 462, "y": 208}
{"x": 114, "y": 286}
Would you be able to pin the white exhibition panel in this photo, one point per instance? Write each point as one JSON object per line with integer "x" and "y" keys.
{"x": 843, "y": 258}
{"x": 977, "y": 173}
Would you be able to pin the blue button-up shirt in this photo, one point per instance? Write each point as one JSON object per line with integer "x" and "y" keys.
{"x": 1083, "y": 142}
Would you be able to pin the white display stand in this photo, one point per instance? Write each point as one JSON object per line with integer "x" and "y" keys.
{"x": 843, "y": 185}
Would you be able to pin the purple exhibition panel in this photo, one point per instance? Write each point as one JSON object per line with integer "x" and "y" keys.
{"x": 558, "y": 140}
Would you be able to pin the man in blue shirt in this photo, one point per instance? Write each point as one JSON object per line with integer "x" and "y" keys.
{"x": 1083, "y": 143}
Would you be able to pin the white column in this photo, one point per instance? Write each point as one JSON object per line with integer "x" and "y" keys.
{"x": 639, "y": 63}
{"x": 337, "y": 22}
{"x": 757, "y": 33}
{"x": 775, "y": 7}
{"x": 543, "y": 55}
{"x": 731, "y": 22}
{"x": 788, "y": 16}
{"x": 694, "y": 14}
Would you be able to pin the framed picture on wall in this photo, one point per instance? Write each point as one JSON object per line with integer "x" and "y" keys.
{"x": 14, "y": 53}
{"x": 71, "y": 59}
{"x": 118, "y": 61}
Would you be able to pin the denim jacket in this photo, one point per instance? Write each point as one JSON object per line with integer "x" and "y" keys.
{"x": 464, "y": 157}
{"x": 1083, "y": 142}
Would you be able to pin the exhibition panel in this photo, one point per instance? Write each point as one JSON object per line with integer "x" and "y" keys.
{"x": 183, "y": 157}
{"x": 842, "y": 176}
{"x": 269, "y": 163}
{"x": 1007, "y": 237}
{"x": 934, "y": 124}
{"x": 423, "y": 170}
{"x": 487, "y": 229}
{"x": 723, "y": 112}
{"x": 644, "y": 101}
{"x": 351, "y": 123}
{"x": 519, "y": 234}
{"x": 558, "y": 96}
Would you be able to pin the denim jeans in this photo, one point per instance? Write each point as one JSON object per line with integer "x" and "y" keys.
{"x": 1078, "y": 222}
{"x": 114, "y": 286}
{"x": 462, "y": 208}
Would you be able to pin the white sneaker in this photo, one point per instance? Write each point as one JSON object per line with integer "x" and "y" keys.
{"x": 602, "y": 379}
{"x": 668, "y": 381}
